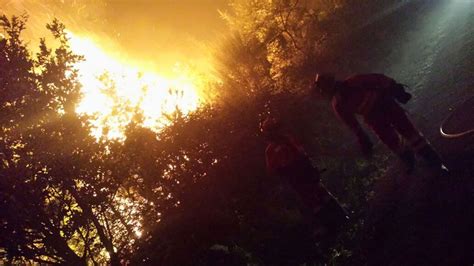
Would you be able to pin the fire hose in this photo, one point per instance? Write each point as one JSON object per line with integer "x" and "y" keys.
{"x": 463, "y": 111}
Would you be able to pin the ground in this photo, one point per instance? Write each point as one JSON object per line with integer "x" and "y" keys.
{"x": 426, "y": 218}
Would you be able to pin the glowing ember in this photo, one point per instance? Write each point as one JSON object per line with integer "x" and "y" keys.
{"x": 112, "y": 91}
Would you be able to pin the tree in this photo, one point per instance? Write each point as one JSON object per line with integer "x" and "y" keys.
{"x": 197, "y": 191}
{"x": 58, "y": 197}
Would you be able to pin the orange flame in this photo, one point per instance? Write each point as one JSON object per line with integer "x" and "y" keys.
{"x": 153, "y": 95}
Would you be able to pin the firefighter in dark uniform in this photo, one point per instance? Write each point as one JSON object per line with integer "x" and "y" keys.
{"x": 286, "y": 158}
{"x": 375, "y": 97}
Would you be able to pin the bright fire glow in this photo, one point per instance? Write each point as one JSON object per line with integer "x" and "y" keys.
{"x": 113, "y": 90}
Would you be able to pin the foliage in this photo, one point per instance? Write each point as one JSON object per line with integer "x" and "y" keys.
{"x": 232, "y": 214}
{"x": 197, "y": 192}
{"x": 56, "y": 193}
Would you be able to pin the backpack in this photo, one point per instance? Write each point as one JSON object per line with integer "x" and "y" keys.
{"x": 399, "y": 93}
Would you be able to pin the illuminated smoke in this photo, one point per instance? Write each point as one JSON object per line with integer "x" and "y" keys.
{"x": 146, "y": 54}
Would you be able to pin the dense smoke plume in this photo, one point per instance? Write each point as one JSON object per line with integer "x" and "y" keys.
{"x": 154, "y": 34}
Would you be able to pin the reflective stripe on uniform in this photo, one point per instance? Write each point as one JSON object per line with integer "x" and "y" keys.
{"x": 417, "y": 142}
{"x": 368, "y": 103}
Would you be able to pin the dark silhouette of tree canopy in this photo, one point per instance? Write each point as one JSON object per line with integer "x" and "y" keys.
{"x": 53, "y": 178}
{"x": 195, "y": 193}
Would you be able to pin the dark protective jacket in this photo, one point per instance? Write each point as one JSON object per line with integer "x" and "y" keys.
{"x": 363, "y": 94}
{"x": 287, "y": 158}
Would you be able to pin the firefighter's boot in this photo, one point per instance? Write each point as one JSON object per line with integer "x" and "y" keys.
{"x": 408, "y": 159}
{"x": 432, "y": 158}
{"x": 333, "y": 216}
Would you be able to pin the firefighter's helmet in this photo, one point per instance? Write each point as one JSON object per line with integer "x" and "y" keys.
{"x": 270, "y": 124}
{"x": 324, "y": 83}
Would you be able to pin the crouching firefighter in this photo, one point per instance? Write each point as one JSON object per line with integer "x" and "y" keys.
{"x": 286, "y": 158}
{"x": 376, "y": 98}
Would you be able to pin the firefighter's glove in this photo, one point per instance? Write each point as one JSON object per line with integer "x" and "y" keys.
{"x": 401, "y": 95}
{"x": 366, "y": 146}
{"x": 404, "y": 97}
{"x": 317, "y": 175}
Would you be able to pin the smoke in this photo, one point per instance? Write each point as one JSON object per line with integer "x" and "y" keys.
{"x": 154, "y": 34}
